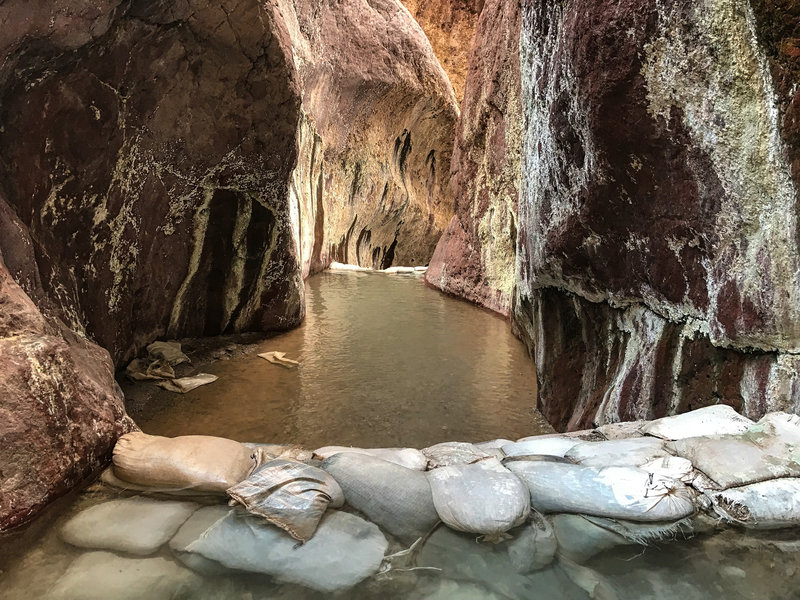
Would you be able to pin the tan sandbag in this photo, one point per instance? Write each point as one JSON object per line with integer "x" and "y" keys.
{"x": 199, "y": 462}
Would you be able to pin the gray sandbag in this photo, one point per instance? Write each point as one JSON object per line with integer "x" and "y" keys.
{"x": 344, "y": 550}
{"x": 398, "y": 499}
{"x": 454, "y": 453}
{"x": 266, "y": 452}
{"x": 644, "y": 534}
{"x": 622, "y": 431}
{"x": 197, "y": 462}
{"x": 137, "y": 526}
{"x": 762, "y": 452}
{"x": 617, "y": 453}
{"x": 495, "y": 444}
{"x": 615, "y": 492}
{"x": 104, "y": 575}
{"x": 289, "y": 494}
{"x": 579, "y": 539}
{"x": 772, "y": 504}
{"x": 460, "y": 556}
{"x": 409, "y": 458}
{"x": 483, "y": 497}
{"x": 544, "y": 445}
{"x": 534, "y": 545}
{"x": 452, "y": 590}
{"x": 719, "y": 419}
{"x": 194, "y": 527}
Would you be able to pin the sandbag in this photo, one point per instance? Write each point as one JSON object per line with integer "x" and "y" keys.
{"x": 762, "y": 452}
{"x": 405, "y": 457}
{"x": 104, "y": 575}
{"x": 579, "y": 539}
{"x": 135, "y": 525}
{"x": 615, "y": 492}
{"x": 719, "y": 419}
{"x": 266, "y": 452}
{"x": 108, "y": 477}
{"x": 622, "y": 431}
{"x": 772, "y": 504}
{"x": 454, "y": 453}
{"x": 194, "y": 527}
{"x": 783, "y": 425}
{"x": 344, "y": 550}
{"x": 398, "y": 499}
{"x": 545, "y": 445}
{"x": 289, "y": 494}
{"x": 534, "y": 545}
{"x": 495, "y": 444}
{"x": 674, "y": 467}
{"x": 617, "y": 453}
{"x": 199, "y": 462}
{"x": 483, "y": 497}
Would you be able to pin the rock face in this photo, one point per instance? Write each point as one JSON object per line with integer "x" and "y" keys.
{"x": 658, "y": 233}
{"x": 61, "y": 410}
{"x": 475, "y": 256}
{"x": 176, "y": 169}
{"x": 450, "y": 27}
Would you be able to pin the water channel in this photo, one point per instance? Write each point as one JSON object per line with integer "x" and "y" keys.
{"x": 386, "y": 361}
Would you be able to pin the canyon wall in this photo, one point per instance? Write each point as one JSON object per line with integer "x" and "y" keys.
{"x": 174, "y": 169}
{"x": 475, "y": 257}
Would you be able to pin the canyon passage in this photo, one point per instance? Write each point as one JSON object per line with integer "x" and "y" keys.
{"x": 235, "y": 242}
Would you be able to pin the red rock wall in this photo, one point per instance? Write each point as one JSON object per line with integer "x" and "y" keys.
{"x": 658, "y": 257}
{"x": 475, "y": 257}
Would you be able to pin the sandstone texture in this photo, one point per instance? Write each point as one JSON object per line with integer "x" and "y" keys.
{"x": 450, "y": 27}
{"x": 658, "y": 264}
{"x": 176, "y": 168}
{"x": 475, "y": 257}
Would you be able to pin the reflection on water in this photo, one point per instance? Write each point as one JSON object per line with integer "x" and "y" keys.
{"x": 385, "y": 361}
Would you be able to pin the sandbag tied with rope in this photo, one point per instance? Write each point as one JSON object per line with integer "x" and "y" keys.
{"x": 289, "y": 494}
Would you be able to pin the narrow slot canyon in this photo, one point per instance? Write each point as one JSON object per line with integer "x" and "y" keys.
{"x": 426, "y": 299}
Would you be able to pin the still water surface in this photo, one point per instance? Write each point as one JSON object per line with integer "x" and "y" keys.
{"x": 384, "y": 361}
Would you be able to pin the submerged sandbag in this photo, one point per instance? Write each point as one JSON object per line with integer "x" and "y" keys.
{"x": 345, "y": 550}
{"x": 398, "y": 499}
{"x": 454, "y": 453}
{"x": 719, "y": 419}
{"x": 132, "y": 525}
{"x": 483, "y": 497}
{"x": 579, "y": 539}
{"x": 534, "y": 545}
{"x": 405, "y": 457}
{"x": 104, "y": 575}
{"x": 198, "y": 462}
{"x": 762, "y": 452}
{"x": 545, "y": 445}
{"x": 772, "y": 504}
{"x": 617, "y": 453}
{"x": 194, "y": 527}
{"x": 289, "y": 494}
{"x": 615, "y": 492}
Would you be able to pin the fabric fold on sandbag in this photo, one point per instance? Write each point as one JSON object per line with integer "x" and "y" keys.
{"x": 191, "y": 462}
{"x": 482, "y": 497}
{"x": 773, "y": 504}
{"x": 409, "y": 458}
{"x": 396, "y": 498}
{"x": 617, "y": 453}
{"x": 719, "y": 419}
{"x": 289, "y": 494}
{"x": 615, "y": 492}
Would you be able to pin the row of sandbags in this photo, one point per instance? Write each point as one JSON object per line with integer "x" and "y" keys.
{"x": 643, "y": 483}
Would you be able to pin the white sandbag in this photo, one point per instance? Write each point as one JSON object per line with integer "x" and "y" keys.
{"x": 135, "y": 525}
{"x": 547, "y": 445}
{"x": 104, "y": 575}
{"x": 617, "y": 453}
{"x": 266, "y": 452}
{"x": 719, "y": 419}
{"x": 289, "y": 494}
{"x": 453, "y": 453}
{"x": 397, "y": 499}
{"x": 783, "y": 425}
{"x": 496, "y": 444}
{"x": 758, "y": 454}
{"x": 483, "y": 497}
{"x": 198, "y": 462}
{"x": 345, "y": 550}
{"x": 622, "y": 431}
{"x": 615, "y": 492}
{"x": 674, "y": 467}
{"x": 773, "y": 504}
{"x": 534, "y": 545}
{"x": 409, "y": 458}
